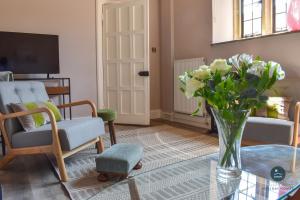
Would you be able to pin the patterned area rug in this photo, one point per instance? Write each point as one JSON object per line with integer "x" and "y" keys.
{"x": 163, "y": 145}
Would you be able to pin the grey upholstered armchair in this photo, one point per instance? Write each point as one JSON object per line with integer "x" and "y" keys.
{"x": 63, "y": 138}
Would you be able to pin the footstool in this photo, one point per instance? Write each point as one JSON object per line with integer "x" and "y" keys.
{"x": 119, "y": 160}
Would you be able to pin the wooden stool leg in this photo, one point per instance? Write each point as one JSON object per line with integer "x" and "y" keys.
{"x": 138, "y": 166}
{"x": 103, "y": 177}
{"x": 123, "y": 177}
{"x": 112, "y": 132}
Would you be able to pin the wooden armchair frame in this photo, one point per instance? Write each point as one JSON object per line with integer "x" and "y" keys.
{"x": 55, "y": 147}
{"x": 296, "y": 139}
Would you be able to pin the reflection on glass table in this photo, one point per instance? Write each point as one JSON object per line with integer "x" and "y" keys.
{"x": 196, "y": 178}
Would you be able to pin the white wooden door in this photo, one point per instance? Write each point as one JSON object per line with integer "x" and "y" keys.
{"x": 126, "y": 61}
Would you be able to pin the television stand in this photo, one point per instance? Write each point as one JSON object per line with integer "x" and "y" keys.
{"x": 62, "y": 89}
{"x": 48, "y": 76}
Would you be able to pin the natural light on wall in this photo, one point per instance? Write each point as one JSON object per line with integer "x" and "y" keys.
{"x": 222, "y": 20}
{"x": 242, "y": 19}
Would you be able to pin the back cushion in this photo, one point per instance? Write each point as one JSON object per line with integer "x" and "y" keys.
{"x": 19, "y": 92}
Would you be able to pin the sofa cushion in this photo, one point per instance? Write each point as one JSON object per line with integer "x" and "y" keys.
{"x": 30, "y": 122}
{"x": 72, "y": 133}
{"x": 269, "y": 130}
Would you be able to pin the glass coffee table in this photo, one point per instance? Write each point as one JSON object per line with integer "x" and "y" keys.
{"x": 196, "y": 178}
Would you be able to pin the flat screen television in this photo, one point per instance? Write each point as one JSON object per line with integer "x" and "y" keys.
{"x": 27, "y": 53}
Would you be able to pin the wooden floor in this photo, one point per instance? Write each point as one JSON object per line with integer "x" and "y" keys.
{"x": 32, "y": 177}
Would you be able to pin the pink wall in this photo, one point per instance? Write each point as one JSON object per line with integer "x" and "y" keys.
{"x": 166, "y": 61}
{"x": 154, "y": 20}
{"x": 193, "y": 36}
{"x": 192, "y": 28}
{"x": 74, "y": 22}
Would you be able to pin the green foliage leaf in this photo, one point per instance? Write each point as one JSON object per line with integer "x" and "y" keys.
{"x": 249, "y": 93}
{"x": 258, "y": 58}
{"x": 252, "y": 79}
{"x": 196, "y": 112}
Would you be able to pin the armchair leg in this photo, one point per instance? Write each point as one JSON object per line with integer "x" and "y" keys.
{"x": 100, "y": 146}
{"x": 62, "y": 168}
{"x": 6, "y": 160}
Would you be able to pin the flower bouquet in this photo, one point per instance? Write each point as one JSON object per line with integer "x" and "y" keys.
{"x": 231, "y": 88}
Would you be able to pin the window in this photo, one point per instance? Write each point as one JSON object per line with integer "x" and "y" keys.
{"x": 251, "y": 18}
{"x": 265, "y": 17}
{"x": 280, "y": 14}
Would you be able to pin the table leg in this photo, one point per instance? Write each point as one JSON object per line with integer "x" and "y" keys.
{"x": 134, "y": 192}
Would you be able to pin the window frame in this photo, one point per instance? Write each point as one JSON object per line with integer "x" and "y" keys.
{"x": 242, "y": 21}
{"x": 268, "y": 20}
{"x": 236, "y": 31}
{"x": 274, "y": 19}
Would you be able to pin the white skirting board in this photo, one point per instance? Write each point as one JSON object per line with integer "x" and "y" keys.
{"x": 155, "y": 114}
{"x": 202, "y": 122}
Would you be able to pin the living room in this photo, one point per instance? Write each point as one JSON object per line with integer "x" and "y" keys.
{"x": 193, "y": 99}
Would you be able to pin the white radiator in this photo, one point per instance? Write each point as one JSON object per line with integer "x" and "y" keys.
{"x": 181, "y": 103}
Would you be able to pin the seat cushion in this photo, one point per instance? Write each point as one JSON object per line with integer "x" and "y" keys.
{"x": 72, "y": 133}
{"x": 269, "y": 130}
{"x": 119, "y": 159}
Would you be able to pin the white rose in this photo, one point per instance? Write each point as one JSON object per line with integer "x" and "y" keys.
{"x": 192, "y": 85}
{"x": 239, "y": 59}
{"x": 245, "y": 58}
{"x": 184, "y": 77}
{"x": 202, "y": 73}
{"x": 281, "y": 75}
{"x": 275, "y": 66}
{"x": 234, "y": 60}
{"x": 257, "y": 68}
{"x": 221, "y": 66}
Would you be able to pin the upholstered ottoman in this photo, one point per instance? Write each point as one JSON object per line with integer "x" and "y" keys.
{"x": 119, "y": 160}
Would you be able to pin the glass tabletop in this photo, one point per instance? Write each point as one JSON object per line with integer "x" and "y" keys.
{"x": 196, "y": 178}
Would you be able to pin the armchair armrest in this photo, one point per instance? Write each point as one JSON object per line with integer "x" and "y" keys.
{"x": 24, "y": 113}
{"x": 4, "y": 117}
{"x": 80, "y": 103}
{"x": 296, "y": 124}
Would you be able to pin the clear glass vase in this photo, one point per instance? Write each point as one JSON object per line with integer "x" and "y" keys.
{"x": 230, "y": 129}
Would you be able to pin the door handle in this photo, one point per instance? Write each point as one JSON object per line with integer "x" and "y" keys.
{"x": 144, "y": 73}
